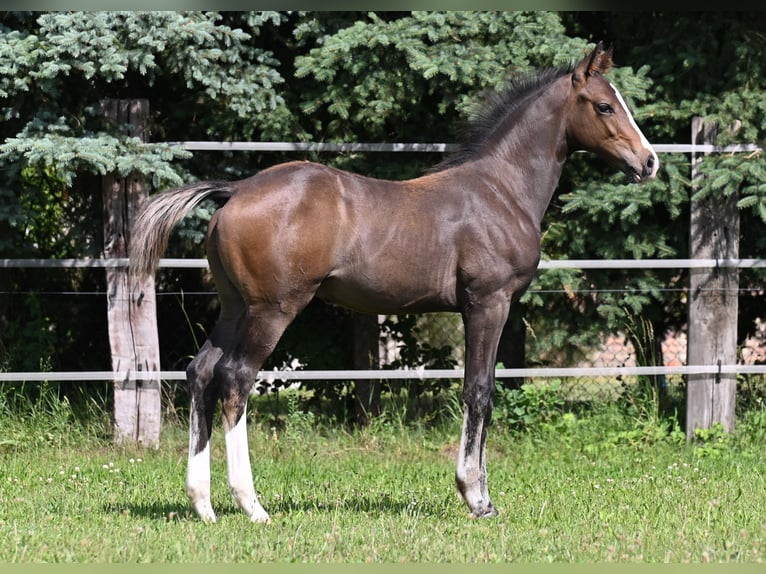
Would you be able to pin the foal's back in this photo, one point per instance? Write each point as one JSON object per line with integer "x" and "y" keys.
{"x": 368, "y": 244}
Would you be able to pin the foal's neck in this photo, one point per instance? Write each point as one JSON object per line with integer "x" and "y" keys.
{"x": 533, "y": 151}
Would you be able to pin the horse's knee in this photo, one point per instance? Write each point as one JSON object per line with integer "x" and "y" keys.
{"x": 199, "y": 374}
{"x": 478, "y": 398}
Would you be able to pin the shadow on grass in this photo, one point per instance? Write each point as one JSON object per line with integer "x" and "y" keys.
{"x": 372, "y": 503}
{"x": 165, "y": 512}
{"x": 381, "y": 503}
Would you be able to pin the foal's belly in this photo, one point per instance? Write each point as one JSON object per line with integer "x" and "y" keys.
{"x": 384, "y": 298}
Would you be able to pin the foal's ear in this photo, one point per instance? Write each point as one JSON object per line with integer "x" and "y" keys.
{"x": 598, "y": 62}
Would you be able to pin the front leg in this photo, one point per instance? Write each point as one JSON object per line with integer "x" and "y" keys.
{"x": 484, "y": 322}
{"x": 471, "y": 474}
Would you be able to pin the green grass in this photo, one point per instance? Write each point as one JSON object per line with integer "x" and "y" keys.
{"x": 597, "y": 487}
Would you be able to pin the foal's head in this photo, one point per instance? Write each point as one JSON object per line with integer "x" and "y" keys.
{"x": 599, "y": 120}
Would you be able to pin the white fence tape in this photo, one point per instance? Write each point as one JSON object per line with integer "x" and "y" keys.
{"x": 421, "y": 374}
{"x": 409, "y": 374}
{"x": 551, "y": 264}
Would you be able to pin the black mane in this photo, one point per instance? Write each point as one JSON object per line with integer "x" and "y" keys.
{"x": 490, "y": 114}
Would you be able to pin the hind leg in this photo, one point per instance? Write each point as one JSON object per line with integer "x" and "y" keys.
{"x": 240, "y": 473}
{"x": 257, "y": 335}
{"x": 203, "y": 396}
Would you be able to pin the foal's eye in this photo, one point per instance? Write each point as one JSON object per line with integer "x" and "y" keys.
{"x": 605, "y": 108}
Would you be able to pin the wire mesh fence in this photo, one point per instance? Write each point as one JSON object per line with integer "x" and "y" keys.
{"x": 43, "y": 332}
{"x": 59, "y": 325}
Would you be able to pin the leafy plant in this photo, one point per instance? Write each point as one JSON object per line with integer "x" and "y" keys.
{"x": 415, "y": 349}
{"x": 529, "y": 407}
{"x": 712, "y": 442}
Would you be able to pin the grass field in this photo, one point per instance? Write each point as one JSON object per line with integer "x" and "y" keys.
{"x": 600, "y": 487}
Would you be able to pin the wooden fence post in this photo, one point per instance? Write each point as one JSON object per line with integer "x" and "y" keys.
{"x": 131, "y": 312}
{"x": 713, "y": 305}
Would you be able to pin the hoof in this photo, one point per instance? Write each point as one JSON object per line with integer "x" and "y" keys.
{"x": 488, "y": 512}
{"x": 256, "y": 513}
{"x": 205, "y": 512}
{"x": 209, "y": 518}
{"x": 260, "y": 519}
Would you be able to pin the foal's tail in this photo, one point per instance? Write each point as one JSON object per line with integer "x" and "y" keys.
{"x": 151, "y": 229}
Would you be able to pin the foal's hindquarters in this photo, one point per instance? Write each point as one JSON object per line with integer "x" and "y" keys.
{"x": 255, "y": 310}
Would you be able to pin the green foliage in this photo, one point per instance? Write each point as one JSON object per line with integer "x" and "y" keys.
{"x": 742, "y": 174}
{"x": 715, "y": 70}
{"x": 205, "y": 75}
{"x": 74, "y": 59}
{"x": 414, "y": 350}
{"x": 28, "y": 345}
{"x": 41, "y": 415}
{"x": 299, "y": 421}
{"x": 351, "y": 76}
{"x": 101, "y": 154}
{"x": 375, "y": 75}
{"x": 713, "y": 441}
{"x": 418, "y": 349}
{"x": 532, "y": 407}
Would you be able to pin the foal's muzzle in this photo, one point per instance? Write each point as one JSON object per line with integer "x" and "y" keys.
{"x": 651, "y": 165}
{"x": 647, "y": 170}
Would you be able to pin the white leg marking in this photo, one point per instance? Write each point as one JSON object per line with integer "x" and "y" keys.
{"x": 469, "y": 468}
{"x": 644, "y": 141}
{"x": 240, "y": 473}
{"x": 198, "y": 473}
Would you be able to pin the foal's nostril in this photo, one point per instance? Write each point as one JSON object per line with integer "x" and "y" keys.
{"x": 651, "y": 166}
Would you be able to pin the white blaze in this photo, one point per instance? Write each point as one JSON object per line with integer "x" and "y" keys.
{"x": 644, "y": 141}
